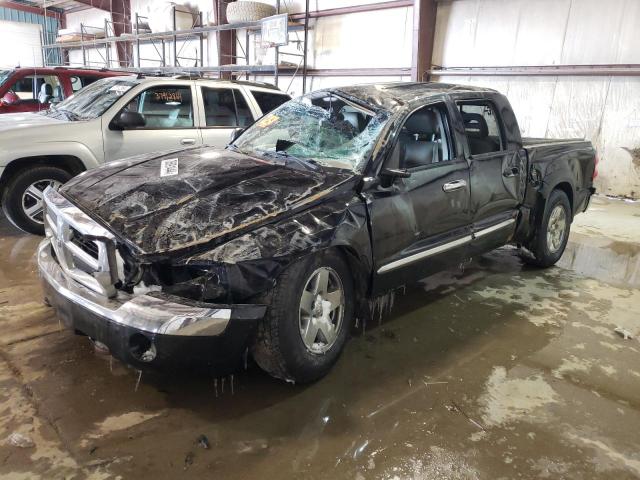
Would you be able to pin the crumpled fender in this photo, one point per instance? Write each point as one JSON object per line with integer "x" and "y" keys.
{"x": 254, "y": 260}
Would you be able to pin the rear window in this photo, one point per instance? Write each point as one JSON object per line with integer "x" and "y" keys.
{"x": 269, "y": 101}
{"x": 80, "y": 81}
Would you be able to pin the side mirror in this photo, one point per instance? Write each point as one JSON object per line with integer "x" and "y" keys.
{"x": 10, "y": 98}
{"x": 235, "y": 133}
{"x": 392, "y": 173}
{"x": 127, "y": 120}
{"x": 389, "y": 175}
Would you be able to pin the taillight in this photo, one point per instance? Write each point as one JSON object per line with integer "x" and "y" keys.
{"x": 595, "y": 168}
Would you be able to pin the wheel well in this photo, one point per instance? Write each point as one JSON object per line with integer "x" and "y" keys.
{"x": 361, "y": 277}
{"x": 71, "y": 164}
{"x": 566, "y": 188}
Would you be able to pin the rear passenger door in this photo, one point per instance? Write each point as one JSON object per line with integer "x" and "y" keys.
{"x": 223, "y": 109}
{"x": 495, "y": 173}
{"x": 168, "y": 110}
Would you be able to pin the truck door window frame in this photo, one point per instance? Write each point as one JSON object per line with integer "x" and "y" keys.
{"x": 235, "y": 92}
{"x": 447, "y": 135}
{"x": 169, "y": 86}
{"x": 500, "y": 124}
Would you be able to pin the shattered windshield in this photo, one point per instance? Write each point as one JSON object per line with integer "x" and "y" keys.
{"x": 93, "y": 100}
{"x": 320, "y": 127}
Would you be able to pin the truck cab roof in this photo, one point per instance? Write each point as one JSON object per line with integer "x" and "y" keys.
{"x": 393, "y": 94}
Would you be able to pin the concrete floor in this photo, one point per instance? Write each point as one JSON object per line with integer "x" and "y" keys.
{"x": 499, "y": 371}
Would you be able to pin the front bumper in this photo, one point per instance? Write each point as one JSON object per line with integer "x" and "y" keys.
{"x": 154, "y": 329}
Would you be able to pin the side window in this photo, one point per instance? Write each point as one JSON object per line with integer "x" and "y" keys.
{"x": 24, "y": 88}
{"x": 268, "y": 101}
{"x": 482, "y": 127}
{"x": 226, "y": 107}
{"x": 48, "y": 89}
{"x": 245, "y": 117}
{"x": 423, "y": 140}
{"x": 78, "y": 82}
{"x": 164, "y": 107}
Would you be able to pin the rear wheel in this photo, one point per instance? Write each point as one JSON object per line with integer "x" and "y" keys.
{"x": 553, "y": 233}
{"x": 308, "y": 322}
{"x": 23, "y": 202}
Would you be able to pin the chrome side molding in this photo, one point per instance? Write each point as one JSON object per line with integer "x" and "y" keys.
{"x": 444, "y": 247}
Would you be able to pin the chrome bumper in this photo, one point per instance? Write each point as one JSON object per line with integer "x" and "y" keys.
{"x": 155, "y": 313}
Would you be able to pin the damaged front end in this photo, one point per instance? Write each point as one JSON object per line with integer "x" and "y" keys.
{"x": 99, "y": 290}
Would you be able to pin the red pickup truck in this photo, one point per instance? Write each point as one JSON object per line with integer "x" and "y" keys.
{"x": 31, "y": 89}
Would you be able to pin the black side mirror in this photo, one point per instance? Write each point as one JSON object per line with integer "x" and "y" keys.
{"x": 392, "y": 173}
{"x": 235, "y": 133}
{"x": 389, "y": 175}
{"x": 128, "y": 120}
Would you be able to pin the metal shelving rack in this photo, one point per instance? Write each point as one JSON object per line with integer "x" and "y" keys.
{"x": 198, "y": 33}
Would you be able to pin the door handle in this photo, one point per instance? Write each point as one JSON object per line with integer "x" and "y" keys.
{"x": 453, "y": 186}
{"x": 188, "y": 141}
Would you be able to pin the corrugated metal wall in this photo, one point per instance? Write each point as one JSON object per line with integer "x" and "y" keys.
{"x": 606, "y": 110}
{"x": 50, "y": 28}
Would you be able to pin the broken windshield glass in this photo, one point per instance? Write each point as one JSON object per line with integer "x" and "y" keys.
{"x": 321, "y": 126}
{"x": 94, "y": 100}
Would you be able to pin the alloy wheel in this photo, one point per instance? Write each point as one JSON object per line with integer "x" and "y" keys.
{"x": 556, "y": 228}
{"x": 33, "y": 199}
{"x": 321, "y": 310}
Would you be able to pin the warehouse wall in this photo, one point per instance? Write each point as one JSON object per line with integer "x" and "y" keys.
{"x": 360, "y": 40}
{"x": 94, "y": 57}
{"x": 40, "y": 28}
{"x": 378, "y": 39}
{"x": 605, "y": 110}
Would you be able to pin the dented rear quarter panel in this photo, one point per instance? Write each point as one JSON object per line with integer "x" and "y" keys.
{"x": 565, "y": 164}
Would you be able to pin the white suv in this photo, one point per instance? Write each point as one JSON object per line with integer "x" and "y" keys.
{"x": 116, "y": 118}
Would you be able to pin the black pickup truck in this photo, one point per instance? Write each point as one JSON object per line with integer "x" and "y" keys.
{"x": 276, "y": 244}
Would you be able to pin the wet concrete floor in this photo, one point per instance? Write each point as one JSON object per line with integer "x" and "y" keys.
{"x": 498, "y": 371}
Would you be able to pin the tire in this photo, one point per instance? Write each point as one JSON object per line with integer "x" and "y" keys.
{"x": 279, "y": 347}
{"x": 246, "y": 11}
{"x": 550, "y": 239}
{"x": 14, "y": 200}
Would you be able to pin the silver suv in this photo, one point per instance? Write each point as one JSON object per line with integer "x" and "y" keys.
{"x": 116, "y": 118}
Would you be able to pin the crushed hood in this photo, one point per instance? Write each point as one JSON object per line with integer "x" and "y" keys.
{"x": 216, "y": 195}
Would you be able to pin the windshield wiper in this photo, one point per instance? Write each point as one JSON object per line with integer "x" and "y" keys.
{"x": 281, "y": 150}
{"x": 69, "y": 114}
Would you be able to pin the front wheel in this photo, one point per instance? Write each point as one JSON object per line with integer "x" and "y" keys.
{"x": 553, "y": 233}
{"x": 309, "y": 320}
{"x": 23, "y": 202}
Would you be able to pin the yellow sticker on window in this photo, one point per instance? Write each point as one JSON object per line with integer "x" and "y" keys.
{"x": 268, "y": 120}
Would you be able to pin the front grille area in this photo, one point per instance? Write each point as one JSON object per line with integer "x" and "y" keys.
{"x": 88, "y": 246}
{"x": 84, "y": 250}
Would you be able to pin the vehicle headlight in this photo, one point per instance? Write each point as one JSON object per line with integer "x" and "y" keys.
{"x": 204, "y": 283}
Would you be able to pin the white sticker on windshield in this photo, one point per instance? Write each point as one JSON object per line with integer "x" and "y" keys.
{"x": 120, "y": 89}
{"x": 169, "y": 167}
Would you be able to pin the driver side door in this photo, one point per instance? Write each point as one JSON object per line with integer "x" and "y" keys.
{"x": 421, "y": 224}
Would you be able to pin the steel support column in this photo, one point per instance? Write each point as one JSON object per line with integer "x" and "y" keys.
{"x": 121, "y": 18}
{"x": 424, "y": 30}
{"x": 226, "y": 39}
